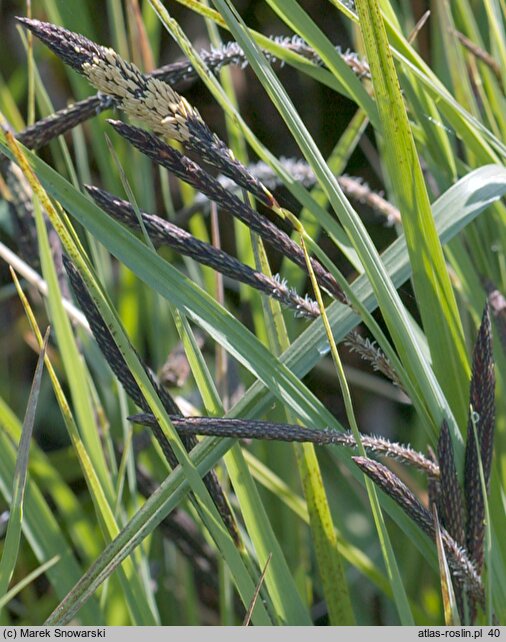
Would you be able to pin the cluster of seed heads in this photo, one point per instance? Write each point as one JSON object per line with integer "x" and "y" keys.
{"x": 191, "y": 172}
{"x": 175, "y": 74}
{"x": 154, "y": 102}
{"x": 164, "y": 233}
{"x": 158, "y": 105}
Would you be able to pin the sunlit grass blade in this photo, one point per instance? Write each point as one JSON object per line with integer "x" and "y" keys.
{"x": 160, "y": 503}
{"x": 286, "y": 601}
{"x": 44, "y": 535}
{"x": 285, "y": 598}
{"x": 40, "y": 527}
{"x": 398, "y": 590}
{"x": 32, "y": 277}
{"x": 297, "y": 504}
{"x": 51, "y": 483}
{"x": 327, "y": 552}
{"x": 74, "y": 367}
{"x": 435, "y": 297}
{"x": 327, "y": 549}
{"x": 487, "y": 147}
{"x": 498, "y": 32}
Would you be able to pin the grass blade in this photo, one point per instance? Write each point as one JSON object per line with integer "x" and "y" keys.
{"x": 436, "y": 301}
{"x": 13, "y": 535}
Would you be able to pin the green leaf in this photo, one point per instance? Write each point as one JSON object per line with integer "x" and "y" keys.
{"x": 13, "y": 535}
{"x": 433, "y": 290}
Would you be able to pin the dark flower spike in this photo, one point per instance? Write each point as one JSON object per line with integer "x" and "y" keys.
{"x": 481, "y": 418}
{"x": 45, "y": 130}
{"x": 369, "y": 351}
{"x": 120, "y": 368}
{"x": 161, "y": 232}
{"x": 20, "y": 204}
{"x": 146, "y": 98}
{"x": 190, "y": 172}
{"x": 300, "y": 171}
{"x": 176, "y": 75}
{"x": 462, "y": 568}
{"x": 450, "y": 501}
{"x": 254, "y": 429}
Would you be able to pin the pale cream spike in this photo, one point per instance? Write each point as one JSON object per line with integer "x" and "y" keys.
{"x": 149, "y": 100}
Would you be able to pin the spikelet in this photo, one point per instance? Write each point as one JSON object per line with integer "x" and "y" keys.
{"x": 161, "y": 232}
{"x": 175, "y": 74}
{"x": 120, "y": 368}
{"x": 266, "y": 430}
{"x": 148, "y": 99}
